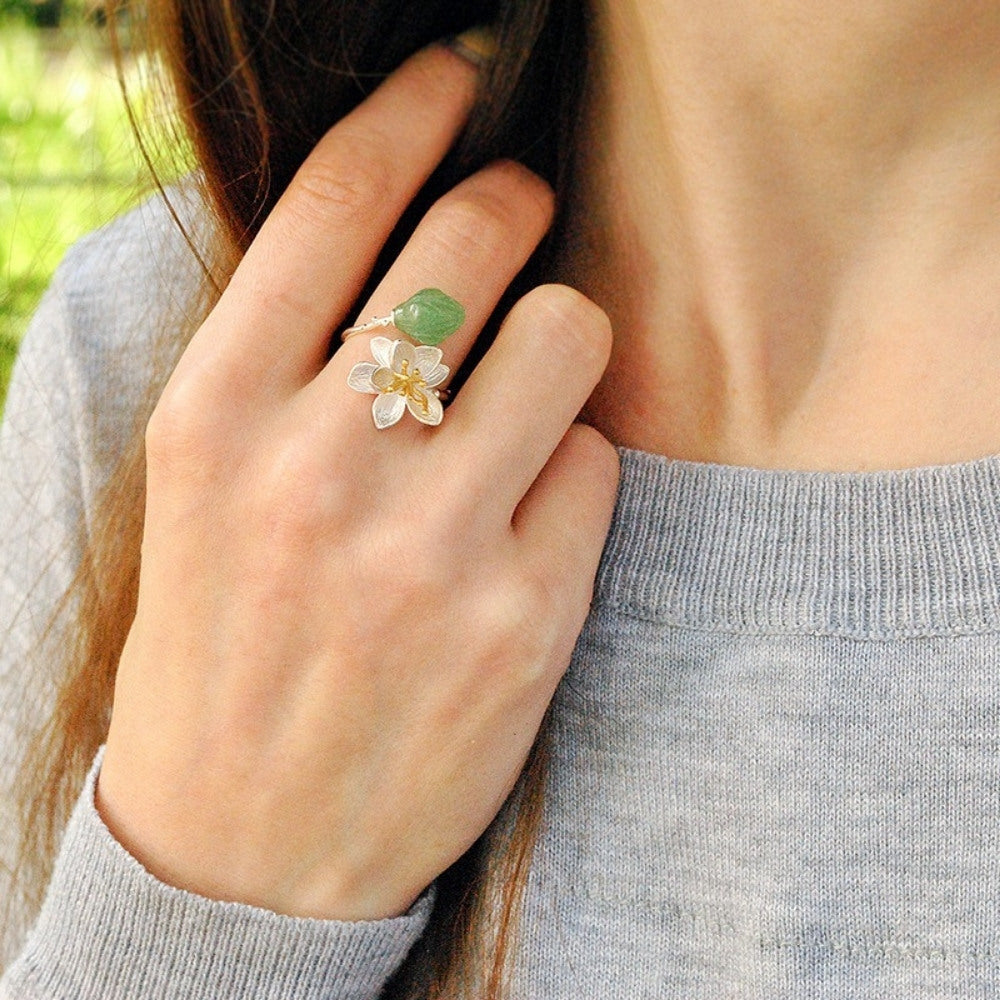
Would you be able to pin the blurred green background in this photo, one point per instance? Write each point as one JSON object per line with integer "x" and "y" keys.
{"x": 68, "y": 161}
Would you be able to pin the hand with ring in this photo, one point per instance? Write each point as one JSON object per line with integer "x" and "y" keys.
{"x": 346, "y": 637}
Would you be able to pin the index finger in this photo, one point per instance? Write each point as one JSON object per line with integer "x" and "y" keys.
{"x": 314, "y": 252}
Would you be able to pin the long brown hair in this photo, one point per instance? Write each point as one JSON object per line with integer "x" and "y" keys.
{"x": 256, "y": 85}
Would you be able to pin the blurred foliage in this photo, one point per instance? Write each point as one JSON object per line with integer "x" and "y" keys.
{"x": 68, "y": 161}
{"x": 49, "y": 13}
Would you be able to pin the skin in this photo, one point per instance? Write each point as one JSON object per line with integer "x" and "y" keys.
{"x": 792, "y": 220}
{"x": 346, "y": 638}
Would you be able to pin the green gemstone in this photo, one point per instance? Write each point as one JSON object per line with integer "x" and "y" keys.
{"x": 429, "y": 316}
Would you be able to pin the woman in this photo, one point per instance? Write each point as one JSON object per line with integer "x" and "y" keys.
{"x": 773, "y": 755}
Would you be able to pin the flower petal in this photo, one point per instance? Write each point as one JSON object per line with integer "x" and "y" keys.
{"x": 382, "y": 350}
{"x": 387, "y": 408}
{"x": 402, "y": 350}
{"x": 427, "y": 410}
{"x": 360, "y": 378}
{"x": 382, "y": 379}
{"x": 436, "y": 376}
{"x": 428, "y": 358}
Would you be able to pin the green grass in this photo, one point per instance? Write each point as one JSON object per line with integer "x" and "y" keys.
{"x": 68, "y": 162}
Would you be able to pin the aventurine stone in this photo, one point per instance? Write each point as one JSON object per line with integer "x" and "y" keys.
{"x": 429, "y": 316}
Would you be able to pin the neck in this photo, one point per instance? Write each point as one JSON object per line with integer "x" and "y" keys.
{"x": 789, "y": 209}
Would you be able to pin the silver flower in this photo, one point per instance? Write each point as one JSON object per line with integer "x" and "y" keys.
{"x": 403, "y": 377}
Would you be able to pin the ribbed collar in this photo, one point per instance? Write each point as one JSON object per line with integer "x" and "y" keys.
{"x": 888, "y": 554}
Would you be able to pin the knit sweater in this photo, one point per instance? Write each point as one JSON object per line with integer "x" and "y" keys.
{"x": 776, "y": 764}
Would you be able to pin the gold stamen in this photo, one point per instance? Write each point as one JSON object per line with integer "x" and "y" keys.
{"x": 409, "y": 385}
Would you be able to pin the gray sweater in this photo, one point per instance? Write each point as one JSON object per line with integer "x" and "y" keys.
{"x": 777, "y": 750}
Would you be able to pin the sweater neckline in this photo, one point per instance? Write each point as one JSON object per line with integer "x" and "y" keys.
{"x": 880, "y": 554}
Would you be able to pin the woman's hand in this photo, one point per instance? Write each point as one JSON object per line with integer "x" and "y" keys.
{"x": 346, "y": 638}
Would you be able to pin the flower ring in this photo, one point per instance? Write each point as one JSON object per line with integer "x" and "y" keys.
{"x": 404, "y": 377}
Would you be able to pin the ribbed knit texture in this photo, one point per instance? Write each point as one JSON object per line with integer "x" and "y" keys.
{"x": 776, "y": 753}
{"x": 889, "y": 554}
{"x": 776, "y": 768}
{"x": 110, "y": 930}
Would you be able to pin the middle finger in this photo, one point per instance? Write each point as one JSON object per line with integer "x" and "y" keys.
{"x": 471, "y": 244}
{"x": 315, "y": 250}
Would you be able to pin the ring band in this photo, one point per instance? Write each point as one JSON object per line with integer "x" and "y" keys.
{"x": 406, "y": 376}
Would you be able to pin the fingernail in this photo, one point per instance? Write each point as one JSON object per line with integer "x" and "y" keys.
{"x": 477, "y": 45}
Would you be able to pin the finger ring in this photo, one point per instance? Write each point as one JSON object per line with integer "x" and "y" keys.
{"x": 405, "y": 376}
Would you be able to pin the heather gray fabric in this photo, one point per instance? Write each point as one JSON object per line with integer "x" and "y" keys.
{"x": 777, "y": 751}
{"x": 109, "y": 929}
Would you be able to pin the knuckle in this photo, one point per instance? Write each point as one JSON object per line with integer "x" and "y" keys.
{"x": 502, "y": 633}
{"x": 542, "y": 591}
{"x": 477, "y": 225}
{"x": 559, "y": 601}
{"x": 573, "y": 324}
{"x": 501, "y": 206}
{"x": 180, "y": 430}
{"x": 345, "y": 182}
{"x": 521, "y": 603}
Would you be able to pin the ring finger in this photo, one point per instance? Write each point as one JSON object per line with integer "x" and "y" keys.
{"x": 471, "y": 244}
